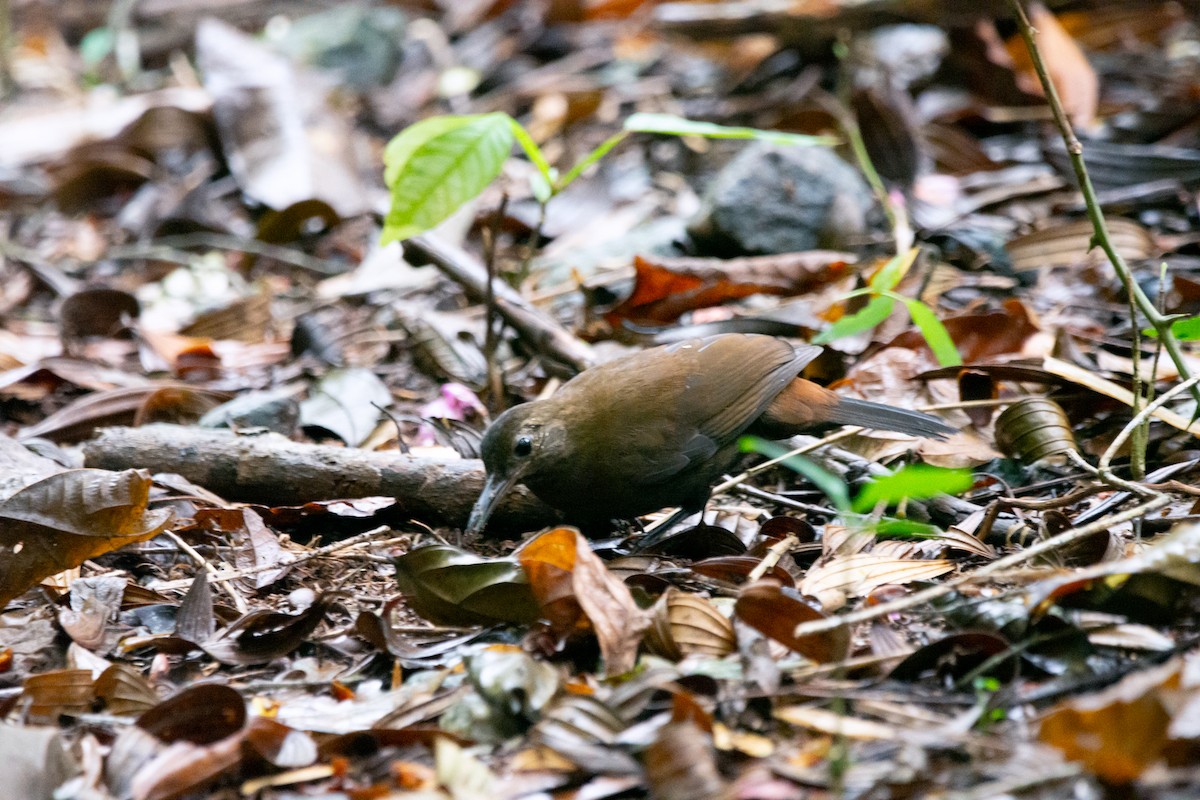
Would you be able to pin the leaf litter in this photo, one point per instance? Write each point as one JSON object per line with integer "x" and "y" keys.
{"x": 233, "y": 563}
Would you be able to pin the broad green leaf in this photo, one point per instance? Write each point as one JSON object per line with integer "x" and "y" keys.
{"x": 891, "y": 273}
{"x": 436, "y": 165}
{"x": 831, "y": 485}
{"x": 865, "y": 319}
{"x": 678, "y": 126}
{"x": 935, "y": 333}
{"x": 916, "y": 481}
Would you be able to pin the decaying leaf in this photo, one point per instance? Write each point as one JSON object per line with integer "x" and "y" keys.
{"x": 184, "y": 768}
{"x": 666, "y": 288}
{"x": 1120, "y": 731}
{"x": 1074, "y": 78}
{"x": 687, "y": 624}
{"x": 680, "y": 764}
{"x": 200, "y": 714}
{"x": 263, "y": 635}
{"x": 452, "y": 587}
{"x": 572, "y": 584}
{"x": 61, "y": 521}
{"x": 856, "y": 575}
{"x": 775, "y": 611}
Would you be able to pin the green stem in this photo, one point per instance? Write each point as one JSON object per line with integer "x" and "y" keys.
{"x": 1100, "y": 237}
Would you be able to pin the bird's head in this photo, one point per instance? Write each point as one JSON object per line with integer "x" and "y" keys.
{"x": 521, "y": 442}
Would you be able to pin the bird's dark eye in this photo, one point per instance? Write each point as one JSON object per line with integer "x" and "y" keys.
{"x": 523, "y": 447}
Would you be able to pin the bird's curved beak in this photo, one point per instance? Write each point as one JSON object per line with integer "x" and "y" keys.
{"x": 493, "y": 491}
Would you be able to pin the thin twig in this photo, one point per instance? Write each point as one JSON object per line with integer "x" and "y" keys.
{"x": 1141, "y": 417}
{"x": 774, "y": 553}
{"x": 934, "y": 592}
{"x": 233, "y": 575}
{"x": 491, "y": 334}
{"x": 238, "y": 601}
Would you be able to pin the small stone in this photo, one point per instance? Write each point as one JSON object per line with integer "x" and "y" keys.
{"x": 784, "y": 199}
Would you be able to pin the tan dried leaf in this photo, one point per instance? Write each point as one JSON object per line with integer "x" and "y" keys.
{"x": 564, "y": 572}
{"x": 65, "y": 519}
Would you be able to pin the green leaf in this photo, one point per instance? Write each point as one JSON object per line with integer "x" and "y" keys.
{"x": 891, "y": 273}
{"x": 865, "y": 319}
{"x": 533, "y": 151}
{"x": 678, "y": 126}
{"x": 1185, "y": 330}
{"x": 935, "y": 333}
{"x": 436, "y": 165}
{"x": 906, "y": 528}
{"x": 831, "y": 485}
{"x": 916, "y": 481}
{"x": 591, "y": 158}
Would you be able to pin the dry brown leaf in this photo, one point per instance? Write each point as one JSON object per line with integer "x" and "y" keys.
{"x": 680, "y": 764}
{"x": 687, "y": 624}
{"x": 776, "y": 612}
{"x": 65, "y": 691}
{"x": 564, "y": 572}
{"x": 65, "y": 519}
{"x": 858, "y": 575}
{"x": 1068, "y": 243}
{"x": 665, "y": 287}
{"x": 1118, "y": 732}
{"x": 1074, "y": 78}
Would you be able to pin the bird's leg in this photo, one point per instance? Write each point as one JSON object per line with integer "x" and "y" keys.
{"x": 659, "y": 531}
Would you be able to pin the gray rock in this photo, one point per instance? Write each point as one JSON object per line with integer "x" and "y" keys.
{"x": 275, "y": 410}
{"x": 781, "y": 199}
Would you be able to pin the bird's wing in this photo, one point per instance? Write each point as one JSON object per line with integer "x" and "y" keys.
{"x": 734, "y": 380}
{"x": 711, "y": 390}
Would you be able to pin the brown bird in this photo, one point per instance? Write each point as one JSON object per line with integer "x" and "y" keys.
{"x": 659, "y": 427}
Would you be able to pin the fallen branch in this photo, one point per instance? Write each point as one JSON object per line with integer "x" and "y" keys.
{"x": 274, "y": 470}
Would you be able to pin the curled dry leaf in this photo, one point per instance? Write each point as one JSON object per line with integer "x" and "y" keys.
{"x": 1074, "y": 78}
{"x": 585, "y": 730}
{"x": 111, "y": 406}
{"x": 263, "y": 635}
{"x": 775, "y": 611}
{"x": 1068, "y": 243}
{"x": 61, "y": 521}
{"x": 735, "y": 569}
{"x": 125, "y": 691}
{"x": 573, "y": 585}
{"x": 680, "y": 764}
{"x": 64, "y": 691}
{"x": 94, "y": 603}
{"x": 184, "y": 768}
{"x": 685, "y": 624}
{"x": 1034, "y": 428}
